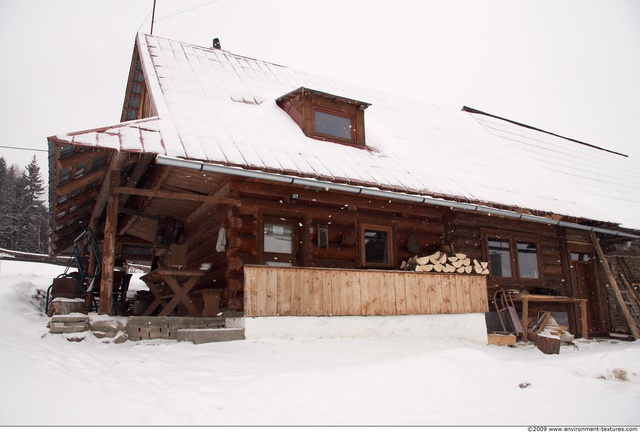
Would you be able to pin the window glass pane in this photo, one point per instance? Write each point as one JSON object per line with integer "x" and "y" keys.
{"x": 500, "y": 258}
{"x": 278, "y": 238}
{"x": 376, "y": 246}
{"x": 334, "y": 125}
{"x": 134, "y": 101}
{"x": 528, "y": 260}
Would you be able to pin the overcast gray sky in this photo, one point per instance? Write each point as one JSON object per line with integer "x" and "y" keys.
{"x": 571, "y": 67}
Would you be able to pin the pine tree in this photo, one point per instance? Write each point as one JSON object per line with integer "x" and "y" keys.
{"x": 35, "y": 221}
{"x": 6, "y": 188}
{"x": 23, "y": 211}
{"x": 35, "y": 184}
{"x": 10, "y": 207}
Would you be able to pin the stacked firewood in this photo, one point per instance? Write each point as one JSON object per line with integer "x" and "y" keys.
{"x": 447, "y": 263}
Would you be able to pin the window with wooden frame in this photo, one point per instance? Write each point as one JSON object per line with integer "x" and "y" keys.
{"x": 333, "y": 126}
{"x": 512, "y": 256}
{"x": 376, "y": 246}
{"x": 326, "y": 117}
{"x": 282, "y": 240}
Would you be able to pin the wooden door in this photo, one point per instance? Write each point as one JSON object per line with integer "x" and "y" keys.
{"x": 281, "y": 241}
{"x": 585, "y": 285}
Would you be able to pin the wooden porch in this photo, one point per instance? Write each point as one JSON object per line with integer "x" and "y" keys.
{"x": 292, "y": 291}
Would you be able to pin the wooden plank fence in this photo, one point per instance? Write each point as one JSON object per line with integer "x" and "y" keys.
{"x": 289, "y": 291}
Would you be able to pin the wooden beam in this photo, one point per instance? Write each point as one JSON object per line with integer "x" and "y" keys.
{"x": 78, "y": 158}
{"x": 70, "y": 231}
{"x": 222, "y": 192}
{"x": 87, "y": 198}
{"x": 138, "y": 213}
{"x": 614, "y": 284}
{"x": 343, "y": 201}
{"x": 158, "y": 175}
{"x": 68, "y": 222}
{"x": 62, "y": 243}
{"x": 109, "y": 247}
{"x": 177, "y": 196}
{"x": 143, "y": 164}
{"x": 115, "y": 165}
{"x": 80, "y": 182}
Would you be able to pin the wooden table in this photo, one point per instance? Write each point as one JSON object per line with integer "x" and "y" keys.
{"x": 526, "y": 299}
{"x": 171, "y": 277}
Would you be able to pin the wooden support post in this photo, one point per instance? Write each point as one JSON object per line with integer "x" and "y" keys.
{"x": 91, "y": 267}
{"x": 616, "y": 290}
{"x": 109, "y": 247}
{"x": 583, "y": 318}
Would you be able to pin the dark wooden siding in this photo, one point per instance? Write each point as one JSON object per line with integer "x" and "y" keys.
{"x": 465, "y": 235}
{"x": 431, "y": 228}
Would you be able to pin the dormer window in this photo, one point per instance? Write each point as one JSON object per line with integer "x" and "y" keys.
{"x": 333, "y": 125}
{"x": 326, "y": 117}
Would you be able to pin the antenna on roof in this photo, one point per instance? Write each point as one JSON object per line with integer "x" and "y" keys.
{"x": 216, "y": 43}
{"x": 153, "y": 15}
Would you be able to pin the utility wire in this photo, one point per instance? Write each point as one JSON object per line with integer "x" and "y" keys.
{"x": 171, "y": 16}
{"x": 24, "y": 148}
{"x": 187, "y": 10}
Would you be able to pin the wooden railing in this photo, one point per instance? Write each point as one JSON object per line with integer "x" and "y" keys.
{"x": 282, "y": 291}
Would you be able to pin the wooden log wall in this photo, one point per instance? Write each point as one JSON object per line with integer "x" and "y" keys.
{"x": 417, "y": 231}
{"x": 464, "y": 233}
{"x": 341, "y": 214}
{"x": 274, "y": 291}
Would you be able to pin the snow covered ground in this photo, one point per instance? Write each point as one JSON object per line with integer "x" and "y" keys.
{"x": 47, "y": 380}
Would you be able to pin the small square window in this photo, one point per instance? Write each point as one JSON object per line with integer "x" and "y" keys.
{"x": 281, "y": 243}
{"x": 323, "y": 236}
{"x": 376, "y": 246}
{"x": 278, "y": 238}
{"x": 333, "y": 125}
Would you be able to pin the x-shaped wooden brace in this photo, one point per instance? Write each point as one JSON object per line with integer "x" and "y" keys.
{"x": 168, "y": 276}
{"x": 157, "y": 298}
{"x": 180, "y": 295}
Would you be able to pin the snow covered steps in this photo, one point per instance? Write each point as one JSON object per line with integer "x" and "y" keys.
{"x": 68, "y": 323}
{"x": 197, "y": 330}
{"x": 199, "y": 336}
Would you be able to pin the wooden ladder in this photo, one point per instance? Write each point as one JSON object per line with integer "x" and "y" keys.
{"x": 625, "y": 294}
{"x": 631, "y": 299}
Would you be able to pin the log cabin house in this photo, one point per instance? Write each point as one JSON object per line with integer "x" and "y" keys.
{"x": 294, "y": 195}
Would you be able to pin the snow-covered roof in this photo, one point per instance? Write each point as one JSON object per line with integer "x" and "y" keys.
{"x": 220, "y": 107}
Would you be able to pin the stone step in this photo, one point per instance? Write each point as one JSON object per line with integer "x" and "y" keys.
{"x": 199, "y": 336}
{"x": 67, "y": 324}
{"x": 146, "y": 328}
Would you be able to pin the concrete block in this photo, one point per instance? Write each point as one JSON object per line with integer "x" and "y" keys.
{"x": 199, "y": 336}
{"x": 106, "y": 328}
{"x": 68, "y": 324}
{"x": 144, "y": 327}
